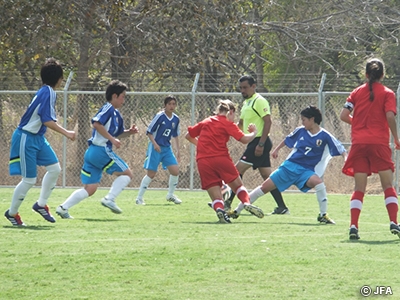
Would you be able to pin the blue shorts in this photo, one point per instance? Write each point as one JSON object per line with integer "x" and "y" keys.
{"x": 98, "y": 159}
{"x": 28, "y": 151}
{"x": 289, "y": 174}
{"x": 154, "y": 158}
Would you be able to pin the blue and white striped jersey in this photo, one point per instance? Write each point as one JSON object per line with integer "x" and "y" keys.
{"x": 112, "y": 120}
{"x": 313, "y": 151}
{"x": 164, "y": 128}
{"x": 40, "y": 110}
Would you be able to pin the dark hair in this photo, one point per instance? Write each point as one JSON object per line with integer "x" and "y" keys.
{"x": 168, "y": 99}
{"x": 312, "y": 112}
{"x": 115, "y": 87}
{"x": 51, "y": 72}
{"x": 374, "y": 70}
{"x": 225, "y": 105}
{"x": 247, "y": 78}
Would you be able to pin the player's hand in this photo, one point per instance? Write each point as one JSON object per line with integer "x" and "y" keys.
{"x": 274, "y": 154}
{"x": 252, "y": 128}
{"x": 133, "y": 129}
{"x": 259, "y": 151}
{"x": 71, "y": 135}
{"x": 157, "y": 148}
{"x": 116, "y": 143}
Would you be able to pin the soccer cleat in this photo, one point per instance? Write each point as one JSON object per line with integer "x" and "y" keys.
{"x": 111, "y": 205}
{"x": 281, "y": 211}
{"x": 324, "y": 219}
{"x": 44, "y": 212}
{"x": 254, "y": 210}
{"x": 140, "y": 202}
{"x": 63, "y": 213}
{"x": 222, "y": 216}
{"x": 353, "y": 233}
{"x": 15, "y": 220}
{"x": 174, "y": 199}
{"x": 395, "y": 229}
{"x": 227, "y": 204}
{"x": 233, "y": 214}
{"x": 210, "y": 204}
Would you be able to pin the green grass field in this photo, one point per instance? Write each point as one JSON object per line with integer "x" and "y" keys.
{"x": 167, "y": 251}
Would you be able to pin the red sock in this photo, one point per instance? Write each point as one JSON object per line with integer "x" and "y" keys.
{"x": 217, "y": 203}
{"x": 242, "y": 194}
{"x": 356, "y": 202}
{"x": 391, "y": 203}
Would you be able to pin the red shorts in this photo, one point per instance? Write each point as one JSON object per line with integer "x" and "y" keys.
{"x": 214, "y": 170}
{"x": 368, "y": 158}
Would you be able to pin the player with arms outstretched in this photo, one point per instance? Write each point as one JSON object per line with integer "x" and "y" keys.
{"x": 312, "y": 148}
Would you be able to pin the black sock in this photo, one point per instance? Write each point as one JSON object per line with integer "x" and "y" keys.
{"x": 278, "y": 198}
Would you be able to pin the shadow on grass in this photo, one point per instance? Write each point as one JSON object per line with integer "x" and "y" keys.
{"x": 303, "y": 224}
{"x": 29, "y": 227}
{"x": 372, "y": 242}
{"x": 100, "y": 220}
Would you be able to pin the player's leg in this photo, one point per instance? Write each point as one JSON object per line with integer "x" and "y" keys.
{"x": 391, "y": 200}
{"x": 242, "y": 167}
{"x": 218, "y": 204}
{"x": 169, "y": 161}
{"x": 314, "y": 181}
{"x": 151, "y": 163}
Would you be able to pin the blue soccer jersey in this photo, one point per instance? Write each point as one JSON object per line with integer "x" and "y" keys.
{"x": 163, "y": 128}
{"x": 313, "y": 151}
{"x": 112, "y": 120}
{"x": 40, "y": 110}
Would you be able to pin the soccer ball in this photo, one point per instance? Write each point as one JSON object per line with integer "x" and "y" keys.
{"x": 226, "y": 191}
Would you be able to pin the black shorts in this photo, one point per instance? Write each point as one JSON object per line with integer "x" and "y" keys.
{"x": 257, "y": 161}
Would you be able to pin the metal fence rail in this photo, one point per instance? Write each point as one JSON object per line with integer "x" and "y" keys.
{"x": 193, "y": 106}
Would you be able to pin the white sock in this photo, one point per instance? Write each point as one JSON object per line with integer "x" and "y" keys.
{"x": 143, "y": 186}
{"x": 255, "y": 194}
{"x": 48, "y": 183}
{"x": 320, "y": 190}
{"x": 76, "y": 197}
{"x": 173, "y": 182}
{"x": 118, "y": 185}
{"x": 19, "y": 194}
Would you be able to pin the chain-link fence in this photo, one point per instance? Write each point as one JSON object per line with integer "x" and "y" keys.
{"x": 140, "y": 108}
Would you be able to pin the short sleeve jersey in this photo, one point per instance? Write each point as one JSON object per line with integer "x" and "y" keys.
{"x": 313, "y": 151}
{"x": 213, "y": 133}
{"x": 253, "y": 111}
{"x": 40, "y": 110}
{"x": 112, "y": 120}
{"x": 164, "y": 128}
{"x": 369, "y": 125}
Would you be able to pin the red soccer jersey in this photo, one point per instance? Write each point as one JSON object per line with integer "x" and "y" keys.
{"x": 369, "y": 125}
{"x": 213, "y": 133}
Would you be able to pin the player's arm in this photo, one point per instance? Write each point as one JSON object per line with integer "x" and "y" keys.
{"x": 103, "y": 131}
{"x": 130, "y": 131}
{"x": 391, "y": 119}
{"x": 345, "y": 114}
{"x": 247, "y": 138}
{"x": 276, "y": 150}
{"x": 53, "y": 125}
{"x": 153, "y": 141}
{"x": 191, "y": 139}
{"x": 175, "y": 142}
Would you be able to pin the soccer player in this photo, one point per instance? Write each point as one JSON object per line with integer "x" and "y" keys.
{"x": 108, "y": 128}
{"x": 312, "y": 148}
{"x": 370, "y": 110}
{"x": 256, "y": 110}
{"x": 29, "y": 147}
{"x": 214, "y": 163}
{"x": 163, "y": 128}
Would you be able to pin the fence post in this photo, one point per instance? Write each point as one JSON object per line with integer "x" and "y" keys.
{"x": 192, "y": 147}
{"x": 321, "y": 98}
{"x": 64, "y": 154}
